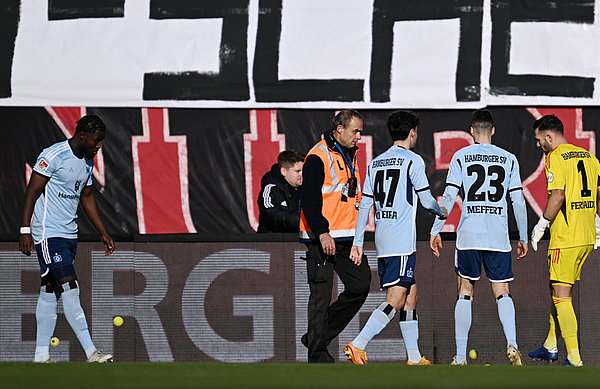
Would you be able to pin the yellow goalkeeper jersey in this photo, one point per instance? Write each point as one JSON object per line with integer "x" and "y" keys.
{"x": 574, "y": 170}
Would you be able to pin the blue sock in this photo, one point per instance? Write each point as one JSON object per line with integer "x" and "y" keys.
{"x": 76, "y": 319}
{"x": 376, "y": 323}
{"x": 45, "y": 315}
{"x": 410, "y": 334}
{"x": 506, "y": 312}
{"x": 462, "y": 325}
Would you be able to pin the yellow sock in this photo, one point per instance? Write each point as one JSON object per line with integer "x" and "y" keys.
{"x": 552, "y": 338}
{"x": 568, "y": 325}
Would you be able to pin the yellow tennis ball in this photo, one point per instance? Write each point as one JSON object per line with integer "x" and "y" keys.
{"x": 487, "y": 364}
{"x": 54, "y": 341}
{"x": 473, "y": 354}
{"x": 118, "y": 321}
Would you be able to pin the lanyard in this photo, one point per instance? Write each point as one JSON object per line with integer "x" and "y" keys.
{"x": 348, "y": 163}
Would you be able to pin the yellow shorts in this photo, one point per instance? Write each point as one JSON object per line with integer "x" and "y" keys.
{"x": 565, "y": 264}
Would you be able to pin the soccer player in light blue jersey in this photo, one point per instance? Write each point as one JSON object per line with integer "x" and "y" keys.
{"x": 489, "y": 175}
{"x": 394, "y": 180}
{"x": 61, "y": 179}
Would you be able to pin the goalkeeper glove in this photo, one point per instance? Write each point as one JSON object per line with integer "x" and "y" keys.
{"x": 538, "y": 232}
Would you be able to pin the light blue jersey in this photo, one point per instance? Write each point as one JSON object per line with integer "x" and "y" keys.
{"x": 55, "y": 212}
{"x": 394, "y": 179}
{"x": 488, "y": 175}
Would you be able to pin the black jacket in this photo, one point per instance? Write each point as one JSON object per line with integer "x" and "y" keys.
{"x": 278, "y": 203}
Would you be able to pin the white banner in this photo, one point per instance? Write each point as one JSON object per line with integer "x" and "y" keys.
{"x": 302, "y": 54}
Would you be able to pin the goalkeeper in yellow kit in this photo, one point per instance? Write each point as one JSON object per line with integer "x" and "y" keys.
{"x": 573, "y": 177}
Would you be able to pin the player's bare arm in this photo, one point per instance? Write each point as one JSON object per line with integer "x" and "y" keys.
{"x": 88, "y": 203}
{"x": 435, "y": 243}
{"x": 356, "y": 253}
{"x": 555, "y": 202}
{"x": 36, "y": 186}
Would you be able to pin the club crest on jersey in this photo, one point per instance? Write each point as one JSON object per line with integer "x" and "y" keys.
{"x": 550, "y": 177}
{"x": 57, "y": 257}
{"x": 77, "y": 185}
{"x": 42, "y": 165}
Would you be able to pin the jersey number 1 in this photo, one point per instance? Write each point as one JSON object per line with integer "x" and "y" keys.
{"x": 585, "y": 192}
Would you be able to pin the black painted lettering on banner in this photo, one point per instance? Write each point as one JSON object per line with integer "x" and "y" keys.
{"x": 266, "y": 58}
{"x": 504, "y": 12}
{"x": 79, "y": 9}
{"x": 231, "y": 83}
{"x": 468, "y": 70}
{"x": 9, "y": 22}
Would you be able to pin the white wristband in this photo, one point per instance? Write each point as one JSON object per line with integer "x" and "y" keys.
{"x": 25, "y": 230}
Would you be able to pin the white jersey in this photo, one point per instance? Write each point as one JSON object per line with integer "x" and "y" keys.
{"x": 488, "y": 174}
{"x": 393, "y": 180}
{"x": 55, "y": 212}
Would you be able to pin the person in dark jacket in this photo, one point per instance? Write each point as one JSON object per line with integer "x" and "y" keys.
{"x": 279, "y": 198}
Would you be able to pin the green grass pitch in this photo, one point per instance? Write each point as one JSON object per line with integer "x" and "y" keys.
{"x": 272, "y": 375}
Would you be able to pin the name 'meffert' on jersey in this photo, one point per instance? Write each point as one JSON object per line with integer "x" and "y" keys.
{"x": 55, "y": 212}
{"x": 487, "y": 174}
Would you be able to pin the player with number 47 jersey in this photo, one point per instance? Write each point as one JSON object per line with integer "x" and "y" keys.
{"x": 394, "y": 180}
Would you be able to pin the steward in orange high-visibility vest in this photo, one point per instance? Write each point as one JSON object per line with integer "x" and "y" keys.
{"x": 329, "y": 200}
{"x": 340, "y": 206}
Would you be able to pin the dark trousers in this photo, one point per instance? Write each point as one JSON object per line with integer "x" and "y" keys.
{"x": 325, "y": 321}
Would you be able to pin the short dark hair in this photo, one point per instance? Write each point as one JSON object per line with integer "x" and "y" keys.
{"x": 289, "y": 158}
{"x": 90, "y": 124}
{"x": 400, "y": 123}
{"x": 482, "y": 120}
{"x": 549, "y": 123}
{"x": 343, "y": 118}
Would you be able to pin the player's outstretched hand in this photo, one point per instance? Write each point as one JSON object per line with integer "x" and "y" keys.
{"x": 538, "y": 232}
{"x": 522, "y": 250}
{"x": 109, "y": 245}
{"x": 26, "y": 244}
{"x": 435, "y": 243}
{"x": 356, "y": 254}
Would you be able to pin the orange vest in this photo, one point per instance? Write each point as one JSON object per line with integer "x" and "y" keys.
{"x": 341, "y": 215}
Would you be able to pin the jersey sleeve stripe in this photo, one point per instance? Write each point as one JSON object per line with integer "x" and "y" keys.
{"x": 40, "y": 174}
{"x": 367, "y": 195}
{"x": 422, "y": 189}
{"x": 515, "y": 188}
{"x": 452, "y": 184}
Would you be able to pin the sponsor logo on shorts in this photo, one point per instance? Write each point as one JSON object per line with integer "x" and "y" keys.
{"x": 550, "y": 177}
{"x": 409, "y": 273}
{"x": 57, "y": 257}
{"x": 43, "y": 165}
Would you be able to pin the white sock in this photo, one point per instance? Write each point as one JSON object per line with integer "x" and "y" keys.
{"x": 76, "y": 319}
{"x": 506, "y": 312}
{"x": 462, "y": 325}
{"x": 45, "y": 315}
{"x": 376, "y": 323}
{"x": 410, "y": 333}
